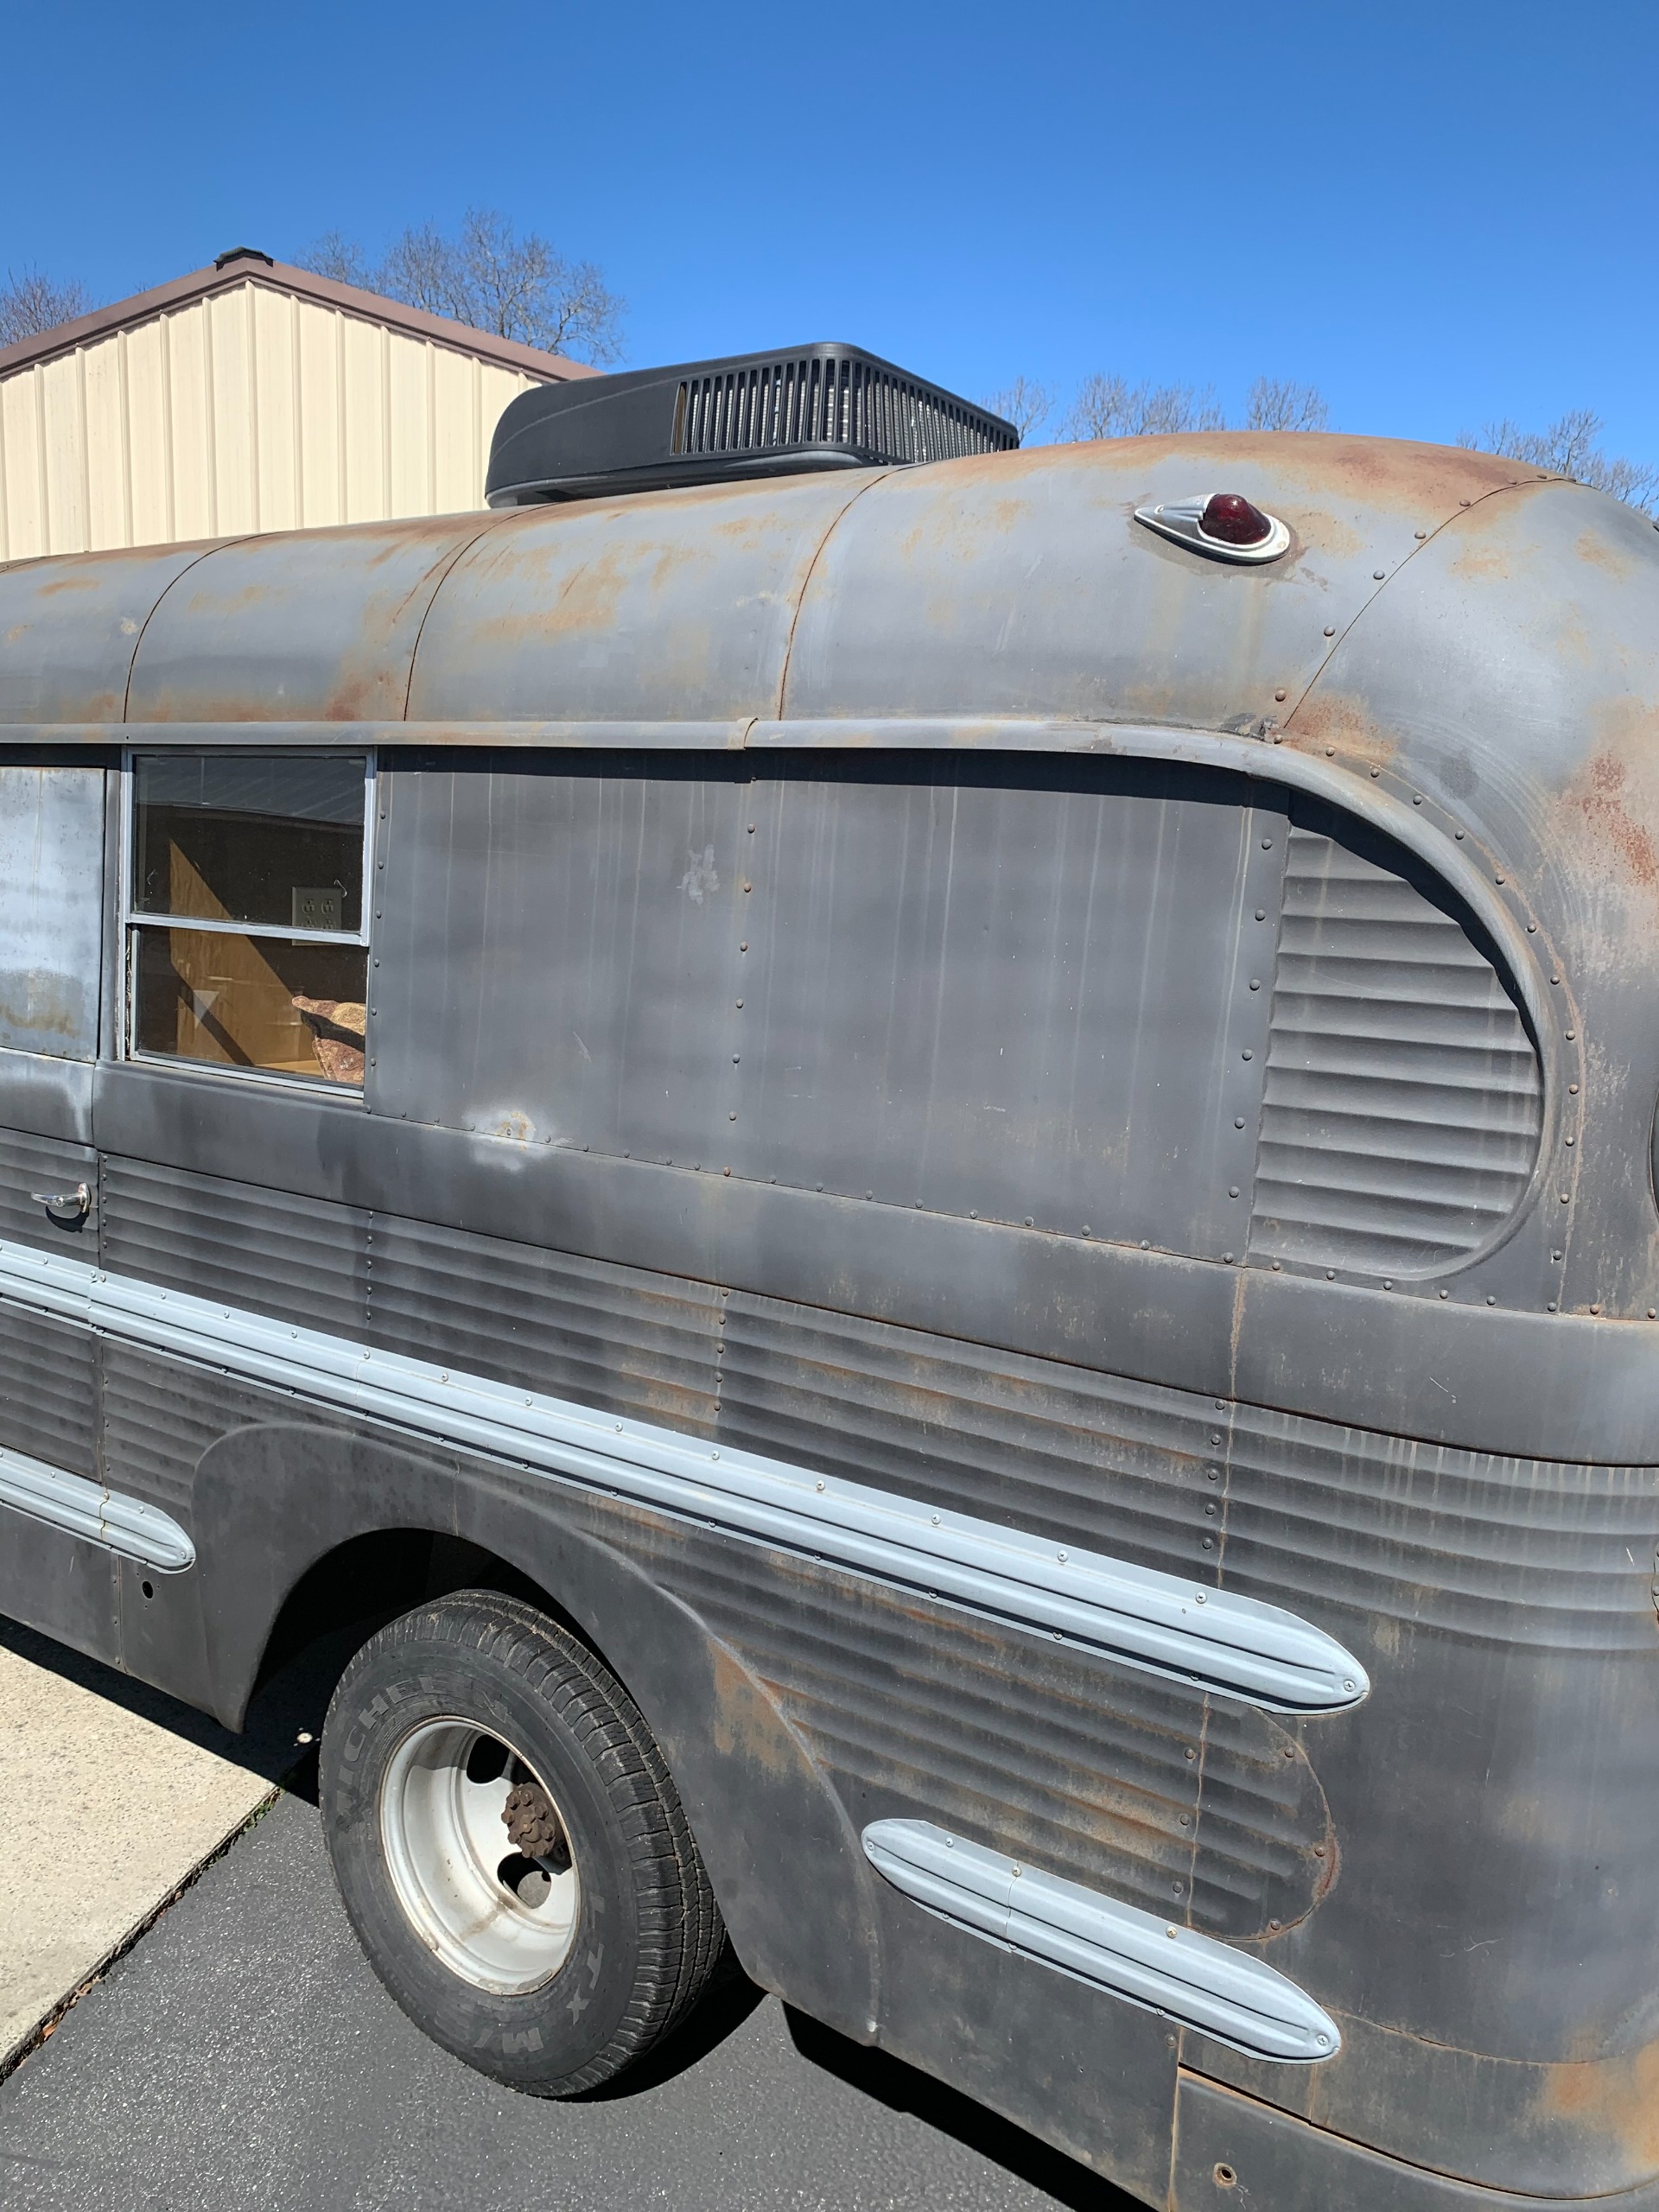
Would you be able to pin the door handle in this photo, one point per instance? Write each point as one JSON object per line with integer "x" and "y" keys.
{"x": 78, "y": 1202}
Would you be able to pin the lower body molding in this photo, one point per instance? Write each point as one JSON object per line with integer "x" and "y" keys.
{"x": 1188, "y": 1978}
{"x": 1217, "y": 1638}
{"x": 86, "y": 1509}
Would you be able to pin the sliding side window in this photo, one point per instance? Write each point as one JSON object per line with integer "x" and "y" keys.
{"x": 245, "y": 935}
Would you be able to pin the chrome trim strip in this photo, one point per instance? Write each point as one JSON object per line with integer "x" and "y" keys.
{"x": 1238, "y": 1646}
{"x": 1187, "y": 1977}
{"x": 86, "y": 1509}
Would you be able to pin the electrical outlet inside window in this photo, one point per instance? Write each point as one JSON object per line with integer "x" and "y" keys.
{"x": 321, "y": 909}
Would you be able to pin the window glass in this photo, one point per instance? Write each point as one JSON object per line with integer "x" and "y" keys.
{"x": 250, "y": 850}
{"x": 277, "y": 841}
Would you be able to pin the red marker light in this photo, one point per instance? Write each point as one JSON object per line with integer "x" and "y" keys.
{"x": 1229, "y": 517}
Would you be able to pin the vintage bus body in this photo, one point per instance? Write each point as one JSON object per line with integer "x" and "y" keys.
{"x": 1011, "y": 1164}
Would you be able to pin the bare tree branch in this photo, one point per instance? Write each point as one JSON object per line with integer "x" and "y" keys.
{"x": 490, "y": 278}
{"x": 1025, "y": 402}
{"x": 1110, "y": 407}
{"x": 1277, "y": 404}
{"x": 30, "y": 303}
{"x": 1569, "y": 448}
{"x": 336, "y": 254}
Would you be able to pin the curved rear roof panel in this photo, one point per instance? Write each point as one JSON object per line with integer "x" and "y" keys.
{"x": 668, "y": 607}
{"x": 1017, "y": 584}
{"x": 317, "y": 626}
{"x": 69, "y": 629}
{"x": 1023, "y": 585}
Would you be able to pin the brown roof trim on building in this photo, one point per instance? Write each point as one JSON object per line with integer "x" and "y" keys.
{"x": 250, "y": 268}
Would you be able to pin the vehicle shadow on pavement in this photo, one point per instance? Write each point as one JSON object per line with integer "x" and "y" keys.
{"x": 890, "y": 2081}
{"x": 283, "y": 1718}
{"x": 731, "y": 1997}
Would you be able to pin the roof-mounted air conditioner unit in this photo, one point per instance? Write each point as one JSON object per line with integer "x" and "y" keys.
{"x": 780, "y": 414}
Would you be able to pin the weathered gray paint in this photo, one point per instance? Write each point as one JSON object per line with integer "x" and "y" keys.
{"x": 123, "y": 1525}
{"x": 1453, "y": 1471}
{"x": 51, "y": 909}
{"x": 1236, "y": 1645}
{"x": 1200, "y": 1983}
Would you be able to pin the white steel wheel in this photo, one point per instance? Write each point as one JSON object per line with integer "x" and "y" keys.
{"x": 478, "y": 1856}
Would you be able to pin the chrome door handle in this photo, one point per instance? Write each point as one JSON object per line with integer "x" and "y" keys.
{"x": 78, "y": 1201}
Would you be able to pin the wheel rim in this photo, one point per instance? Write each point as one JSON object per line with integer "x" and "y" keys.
{"x": 500, "y": 1919}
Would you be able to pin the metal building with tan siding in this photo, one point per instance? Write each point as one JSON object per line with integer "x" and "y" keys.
{"x": 249, "y": 396}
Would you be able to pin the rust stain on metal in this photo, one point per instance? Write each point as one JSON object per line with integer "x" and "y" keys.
{"x": 1324, "y": 719}
{"x": 1601, "y": 553}
{"x": 749, "y": 1724}
{"x": 69, "y": 583}
{"x": 1609, "y": 2097}
{"x": 1482, "y": 564}
{"x": 1613, "y": 808}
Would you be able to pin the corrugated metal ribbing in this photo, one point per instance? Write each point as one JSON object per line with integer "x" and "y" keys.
{"x": 1095, "y": 1771}
{"x": 1403, "y": 1101}
{"x": 1344, "y": 1524}
{"x": 616, "y": 1338}
{"x": 298, "y": 1259}
{"x": 29, "y": 1164}
{"x": 1059, "y": 1451}
{"x": 160, "y": 1416}
{"x": 48, "y": 1391}
{"x": 819, "y": 401}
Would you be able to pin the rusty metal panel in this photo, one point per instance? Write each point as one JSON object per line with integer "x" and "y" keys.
{"x": 1096, "y": 1772}
{"x": 1127, "y": 1467}
{"x": 1403, "y": 1101}
{"x": 51, "y": 909}
{"x": 297, "y": 629}
{"x": 1021, "y": 583}
{"x": 619, "y": 1339}
{"x": 558, "y": 953}
{"x": 69, "y": 628}
{"x": 671, "y": 606}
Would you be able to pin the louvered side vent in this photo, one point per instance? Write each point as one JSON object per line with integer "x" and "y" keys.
{"x": 1403, "y": 1101}
{"x": 827, "y": 401}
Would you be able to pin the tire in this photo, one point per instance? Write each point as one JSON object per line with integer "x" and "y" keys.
{"x": 473, "y": 1725}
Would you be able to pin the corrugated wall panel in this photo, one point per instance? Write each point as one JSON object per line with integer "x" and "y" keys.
{"x": 409, "y": 390}
{"x": 457, "y": 470}
{"x": 365, "y": 421}
{"x": 322, "y": 496}
{"x": 149, "y": 435}
{"x": 276, "y": 423}
{"x": 109, "y": 475}
{"x": 249, "y": 411}
{"x": 196, "y": 508}
{"x": 495, "y": 388}
{"x": 234, "y": 404}
{"x": 64, "y": 445}
{"x": 23, "y": 522}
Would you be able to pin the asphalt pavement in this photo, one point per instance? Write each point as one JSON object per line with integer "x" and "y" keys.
{"x": 242, "y": 2057}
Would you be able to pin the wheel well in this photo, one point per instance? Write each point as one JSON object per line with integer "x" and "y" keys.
{"x": 371, "y": 1579}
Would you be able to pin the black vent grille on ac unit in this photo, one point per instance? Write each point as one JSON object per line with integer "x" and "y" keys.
{"x": 767, "y": 414}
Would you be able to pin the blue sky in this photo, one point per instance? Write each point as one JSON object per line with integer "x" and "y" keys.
{"x": 1438, "y": 214}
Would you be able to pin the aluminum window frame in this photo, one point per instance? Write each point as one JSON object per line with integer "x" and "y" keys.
{"x": 129, "y": 921}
